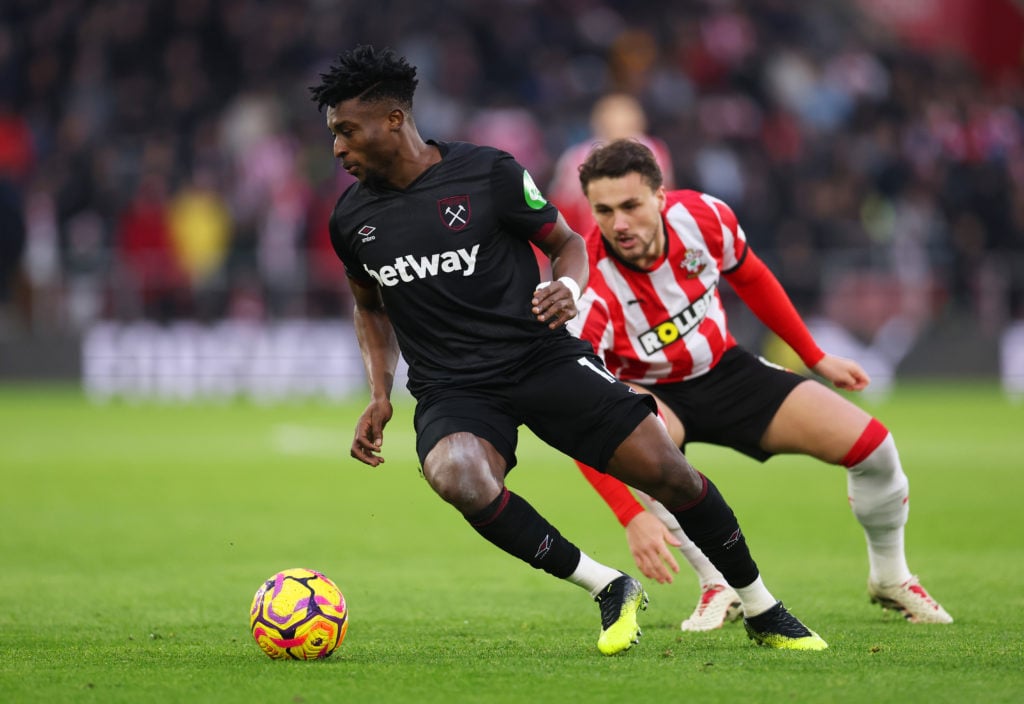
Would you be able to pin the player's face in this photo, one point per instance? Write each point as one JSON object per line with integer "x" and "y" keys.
{"x": 366, "y": 137}
{"x": 628, "y": 211}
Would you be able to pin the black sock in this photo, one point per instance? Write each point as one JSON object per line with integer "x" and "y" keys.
{"x": 515, "y": 526}
{"x": 711, "y": 524}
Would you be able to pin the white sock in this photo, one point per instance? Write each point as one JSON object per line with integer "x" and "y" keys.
{"x": 878, "y": 491}
{"x": 591, "y": 575}
{"x": 756, "y": 598}
{"x": 707, "y": 573}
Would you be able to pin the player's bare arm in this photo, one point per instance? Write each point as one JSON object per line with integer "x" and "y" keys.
{"x": 555, "y": 304}
{"x": 379, "y": 349}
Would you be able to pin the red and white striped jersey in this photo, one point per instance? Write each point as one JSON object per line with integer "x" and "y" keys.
{"x": 665, "y": 324}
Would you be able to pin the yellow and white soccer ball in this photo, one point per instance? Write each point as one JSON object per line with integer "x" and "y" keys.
{"x": 298, "y": 614}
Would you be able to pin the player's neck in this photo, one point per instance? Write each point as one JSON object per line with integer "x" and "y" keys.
{"x": 415, "y": 157}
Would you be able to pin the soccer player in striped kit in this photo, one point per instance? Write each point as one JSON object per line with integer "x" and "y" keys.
{"x": 653, "y": 312}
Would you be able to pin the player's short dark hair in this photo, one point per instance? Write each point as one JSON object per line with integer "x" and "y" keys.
{"x": 619, "y": 158}
{"x": 367, "y": 74}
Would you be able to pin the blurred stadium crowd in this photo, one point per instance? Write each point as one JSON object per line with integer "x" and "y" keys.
{"x": 161, "y": 159}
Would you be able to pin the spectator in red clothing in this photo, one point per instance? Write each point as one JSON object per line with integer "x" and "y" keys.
{"x": 614, "y": 116}
{"x": 145, "y": 251}
{"x": 16, "y": 159}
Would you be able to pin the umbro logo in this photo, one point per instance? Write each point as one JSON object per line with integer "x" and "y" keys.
{"x": 366, "y": 232}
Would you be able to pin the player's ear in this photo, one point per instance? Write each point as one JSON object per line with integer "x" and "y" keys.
{"x": 396, "y": 118}
{"x": 660, "y": 195}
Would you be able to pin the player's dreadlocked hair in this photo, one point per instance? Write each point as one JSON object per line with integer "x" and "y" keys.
{"x": 367, "y": 74}
{"x": 621, "y": 157}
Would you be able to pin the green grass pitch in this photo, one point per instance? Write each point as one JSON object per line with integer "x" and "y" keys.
{"x": 134, "y": 537}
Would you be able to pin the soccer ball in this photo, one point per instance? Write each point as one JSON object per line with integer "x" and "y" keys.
{"x": 298, "y": 614}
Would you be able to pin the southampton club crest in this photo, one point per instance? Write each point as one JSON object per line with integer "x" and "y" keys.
{"x": 693, "y": 262}
{"x": 454, "y": 212}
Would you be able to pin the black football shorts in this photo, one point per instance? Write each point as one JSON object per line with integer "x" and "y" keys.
{"x": 733, "y": 404}
{"x": 572, "y": 404}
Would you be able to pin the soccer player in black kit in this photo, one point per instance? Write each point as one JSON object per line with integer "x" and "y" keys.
{"x": 435, "y": 238}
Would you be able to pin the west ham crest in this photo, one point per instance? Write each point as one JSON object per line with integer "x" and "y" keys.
{"x": 454, "y": 212}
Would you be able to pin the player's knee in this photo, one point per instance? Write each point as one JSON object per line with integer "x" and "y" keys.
{"x": 665, "y": 474}
{"x": 879, "y": 490}
{"x": 466, "y": 485}
{"x": 681, "y": 483}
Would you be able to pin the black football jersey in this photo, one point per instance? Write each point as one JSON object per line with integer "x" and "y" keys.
{"x": 452, "y": 258}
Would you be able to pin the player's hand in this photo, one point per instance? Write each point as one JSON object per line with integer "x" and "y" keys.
{"x": 369, "y": 435}
{"x": 553, "y": 304}
{"x": 648, "y": 541}
{"x": 843, "y": 373}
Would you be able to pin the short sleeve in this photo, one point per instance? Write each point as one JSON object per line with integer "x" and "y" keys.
{"x": 734, "y": 241}
{"x": 522, "y": 209}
